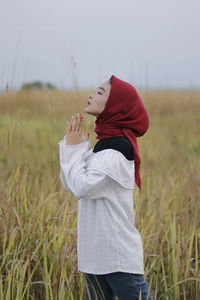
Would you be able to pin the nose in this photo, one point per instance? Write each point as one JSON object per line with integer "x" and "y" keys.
{"x": 91, "y": 95}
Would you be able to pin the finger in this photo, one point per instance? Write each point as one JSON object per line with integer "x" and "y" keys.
{"x": 68, "y": 129}
{"x": 86, "y": 137}
{"x": 73, "y": 123}
{"x": 78, "y": 123}
{"x": 81, "y": 123}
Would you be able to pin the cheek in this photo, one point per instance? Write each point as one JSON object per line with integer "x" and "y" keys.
{"x": 99, "y": 103}
{"x": 104, "y": 101}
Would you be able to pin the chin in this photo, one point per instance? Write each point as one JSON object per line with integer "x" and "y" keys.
{"x": 87, "y": 110}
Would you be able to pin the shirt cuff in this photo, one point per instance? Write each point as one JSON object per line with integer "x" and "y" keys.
{"x": 63, "y": 143}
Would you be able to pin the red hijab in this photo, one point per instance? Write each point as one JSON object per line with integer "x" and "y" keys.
{"x": 124, "y": 115}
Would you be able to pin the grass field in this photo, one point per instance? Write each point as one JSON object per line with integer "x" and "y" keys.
{"x": 38, "y": 258}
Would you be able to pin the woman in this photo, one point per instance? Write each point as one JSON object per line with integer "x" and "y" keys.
{"x": 110, "y": 250}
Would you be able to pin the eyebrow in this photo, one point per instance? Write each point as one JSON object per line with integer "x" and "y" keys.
{"x": 100, "y": 87}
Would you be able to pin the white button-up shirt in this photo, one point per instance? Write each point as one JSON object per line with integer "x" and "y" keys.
{"x": 103, "y": 183}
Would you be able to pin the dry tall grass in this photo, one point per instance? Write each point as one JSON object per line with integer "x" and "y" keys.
{"x": 38, "y": 218}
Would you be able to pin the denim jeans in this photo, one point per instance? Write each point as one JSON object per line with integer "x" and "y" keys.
{"x": 126, "y": 286}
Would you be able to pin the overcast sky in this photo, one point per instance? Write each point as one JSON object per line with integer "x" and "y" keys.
{"x": 149, "y": 43}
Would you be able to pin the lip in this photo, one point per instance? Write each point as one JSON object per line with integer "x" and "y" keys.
{"x": 89, "y": 103}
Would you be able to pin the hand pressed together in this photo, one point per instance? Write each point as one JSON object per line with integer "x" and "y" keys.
{"x": 74, "y": 130}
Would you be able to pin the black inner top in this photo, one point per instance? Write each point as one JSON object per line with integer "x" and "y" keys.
{"x": 119, "y": 143}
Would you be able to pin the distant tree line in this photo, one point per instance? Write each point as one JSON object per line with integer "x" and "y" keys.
{"x": 38, "y": 85}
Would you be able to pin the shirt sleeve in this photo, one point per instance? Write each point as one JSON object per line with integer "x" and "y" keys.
{"x": 73, "y": 174}
{"x": 63, "y": 181}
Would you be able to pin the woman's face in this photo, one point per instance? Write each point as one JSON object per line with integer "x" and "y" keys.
{"x": 97, "y": 100}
